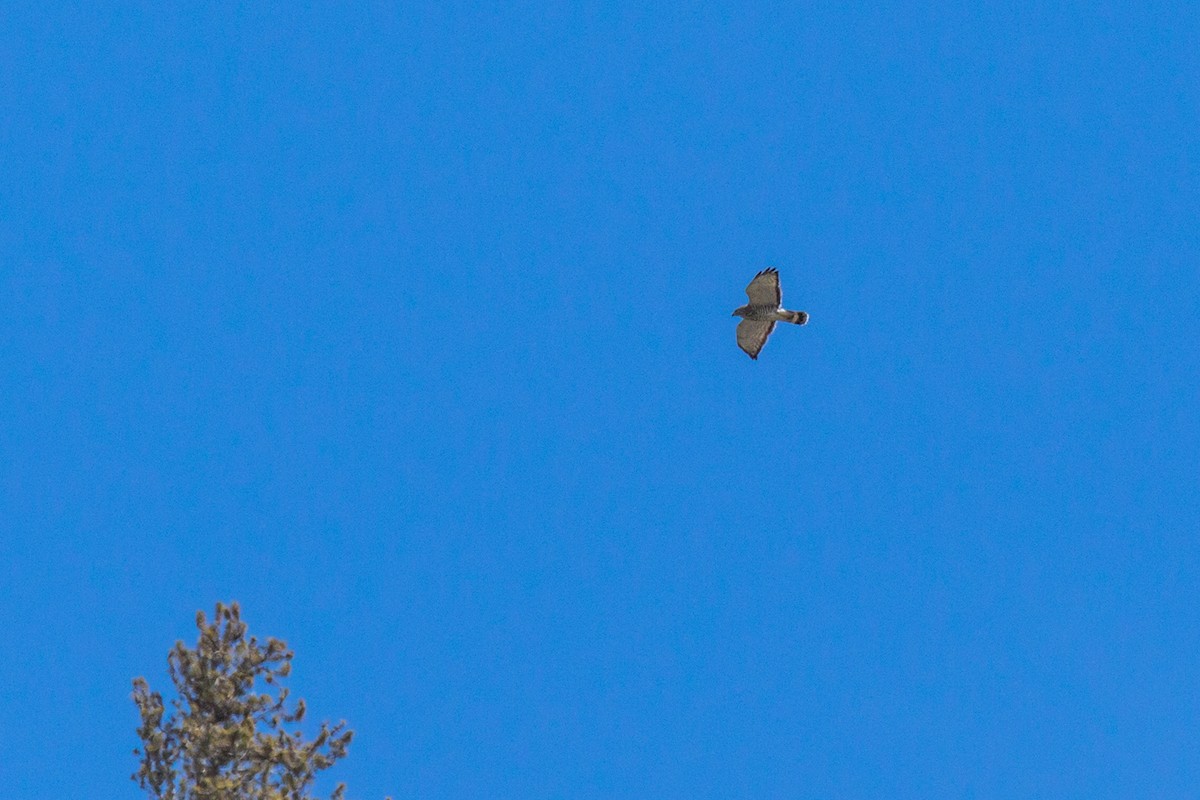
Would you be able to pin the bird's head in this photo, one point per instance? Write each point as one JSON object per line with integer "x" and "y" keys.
{"x": 740, "y": 312}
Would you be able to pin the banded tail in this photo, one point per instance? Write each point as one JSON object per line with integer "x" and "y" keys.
{"x": 796, "y": 317}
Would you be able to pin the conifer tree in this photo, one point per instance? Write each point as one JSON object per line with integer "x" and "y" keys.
{"x": 227, "y": 736}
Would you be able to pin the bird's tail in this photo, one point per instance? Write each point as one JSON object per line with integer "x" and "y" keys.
{"x": 797, "y": 317}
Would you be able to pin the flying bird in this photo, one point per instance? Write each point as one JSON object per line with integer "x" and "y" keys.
{"x": 763, "y": 311}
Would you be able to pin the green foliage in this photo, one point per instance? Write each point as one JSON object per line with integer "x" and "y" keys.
{"x": 224, "y": 740}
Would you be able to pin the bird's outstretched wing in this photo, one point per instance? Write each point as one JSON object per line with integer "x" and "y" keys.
{"x": 764, "y": 289}
{"x": 752, "y": 335}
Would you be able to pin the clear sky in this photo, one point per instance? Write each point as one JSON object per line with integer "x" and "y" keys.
{"x": 407, "y": 326}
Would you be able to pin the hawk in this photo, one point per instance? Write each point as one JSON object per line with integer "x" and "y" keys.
{"x": 763, "y": 311}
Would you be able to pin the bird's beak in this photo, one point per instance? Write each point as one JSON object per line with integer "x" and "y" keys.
{"x": 734, "y": 314}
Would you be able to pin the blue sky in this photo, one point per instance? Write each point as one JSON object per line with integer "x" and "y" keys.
{"x": 408, "y": 327}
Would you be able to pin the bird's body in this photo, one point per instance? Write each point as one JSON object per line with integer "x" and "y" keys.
{"x": 768, "y": 314}
{"x": 763, "y": 311}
